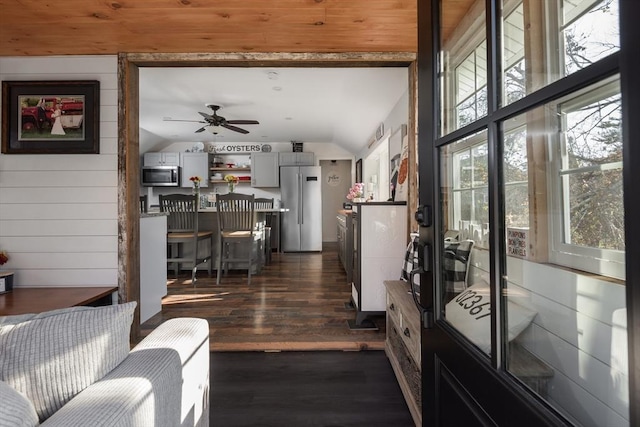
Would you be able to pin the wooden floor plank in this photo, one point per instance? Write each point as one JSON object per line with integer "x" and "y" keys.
{"x": 297, "y": 302}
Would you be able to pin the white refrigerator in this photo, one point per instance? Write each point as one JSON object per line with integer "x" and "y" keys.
{"x": 301, "y": 192}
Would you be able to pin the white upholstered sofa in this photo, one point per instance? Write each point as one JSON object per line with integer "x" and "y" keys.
{"x": 73, "y": 367}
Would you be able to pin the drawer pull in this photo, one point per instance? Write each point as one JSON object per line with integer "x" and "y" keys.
{"x": 392, "y": 307}
{"x": 406, "y": 332}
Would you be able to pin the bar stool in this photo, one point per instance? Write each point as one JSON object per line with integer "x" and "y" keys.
{"x": 236, "y": 227}
{"x": 182, "y": 230}
{"x": 264, "y": 203}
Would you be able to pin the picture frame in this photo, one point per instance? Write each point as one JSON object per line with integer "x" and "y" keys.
{"x": 51, "y": 117}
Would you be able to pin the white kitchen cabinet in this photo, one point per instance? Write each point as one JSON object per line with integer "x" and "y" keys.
{"x": 160, "y": 158}
{"x": 194, "y": 164}
{"x": 297, "y": 159}
{"x": 265, "y": 170}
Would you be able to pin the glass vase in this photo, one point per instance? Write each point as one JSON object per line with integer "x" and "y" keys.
{"x": 196, "y": 192}
{"x": 232, "y": 187}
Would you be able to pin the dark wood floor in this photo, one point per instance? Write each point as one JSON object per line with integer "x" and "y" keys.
{"x": 319, "y": 388}
{"x": 297, "y": 302}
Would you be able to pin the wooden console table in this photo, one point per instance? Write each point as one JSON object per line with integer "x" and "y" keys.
{"x": 38, "y": 300}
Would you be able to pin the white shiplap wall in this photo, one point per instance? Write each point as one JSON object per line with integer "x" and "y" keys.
{"x": 580, "y": 331}
{"x": 58, "y": 213}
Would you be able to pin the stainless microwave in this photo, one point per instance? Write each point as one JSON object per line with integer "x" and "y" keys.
{"x": 160, "y": 176}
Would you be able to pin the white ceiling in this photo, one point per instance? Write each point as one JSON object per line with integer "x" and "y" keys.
{"x": 339, "y": 105}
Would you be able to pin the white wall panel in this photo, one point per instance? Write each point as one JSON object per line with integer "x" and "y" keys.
{"x": 58, "y": 213}
{"x": 43, "y": 196}
{"x": 22, "y": 244}
{"x": 60, "y": 227}
{"x": 42, "y": 278}
{"x": 61, "y": 260}
{"x": 38, "y": 178}
{"x": 61, "y": 162}
{"x": 575, "y": 332}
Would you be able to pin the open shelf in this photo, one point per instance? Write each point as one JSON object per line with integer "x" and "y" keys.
{"x": 231, "y": 169}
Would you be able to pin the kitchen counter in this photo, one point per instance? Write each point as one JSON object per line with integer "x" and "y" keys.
{"x": 345, "y": 212}
{"x": 152, "y": 214}
{"x": 274, "y": 210}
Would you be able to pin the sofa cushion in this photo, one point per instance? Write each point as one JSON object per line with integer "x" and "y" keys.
{"x": 16, "y": 410}
{"x": 50, "y": 357}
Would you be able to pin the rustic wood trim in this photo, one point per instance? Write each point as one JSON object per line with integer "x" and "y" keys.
{"x": 128, "y": 188}
{"x": 412, "y": 134}
{"x": 253, "y": 59}
{"x": 128, "y": 133}
{"x": 534, "y": 42}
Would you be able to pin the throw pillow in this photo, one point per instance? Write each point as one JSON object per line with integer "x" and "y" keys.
{"x": 470, "y": 313}
{"x": 50, "y": 357}
{"x": 16, "y": 410}
{"x": 411, "y": 261}
{"x": 455, "y": 264}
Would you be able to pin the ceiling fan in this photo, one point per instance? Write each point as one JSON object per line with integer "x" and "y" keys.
{"x": 216, "y": 120}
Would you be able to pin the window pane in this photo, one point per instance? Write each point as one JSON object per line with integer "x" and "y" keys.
{"x": 465, "y": 227}
{"x": 565, "y": 314}
{"x": 597, "y": 219}
{"x": 464, "y": 58}
{"x": 592, "y": 171}
{"x": 591, "y": 35}
{"x": 560, "y": 37}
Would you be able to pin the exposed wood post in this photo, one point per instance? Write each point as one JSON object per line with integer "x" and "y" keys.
{"x": 128, "y": 189}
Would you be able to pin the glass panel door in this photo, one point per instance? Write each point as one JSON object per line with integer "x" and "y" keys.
{"x": 564, "y": 289}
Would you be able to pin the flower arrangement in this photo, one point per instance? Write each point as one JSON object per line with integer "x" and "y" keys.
{"x": 196, "y": 181}
{"x": 231, "y": 179}
{"x": 4, "y": 257}
{"x": 356, "y": 191}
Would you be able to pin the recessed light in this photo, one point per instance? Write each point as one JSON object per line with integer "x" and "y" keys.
{"x": 277, "y": 88}
{"x": 288, "y": 118}
{"x": 272, "y": 75}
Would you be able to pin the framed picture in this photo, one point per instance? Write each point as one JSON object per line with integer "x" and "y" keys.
{"x": 50, "y": 117}
{"x": 359, "y": 170}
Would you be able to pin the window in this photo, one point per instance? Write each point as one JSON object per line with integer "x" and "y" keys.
{"x": 514, "y": 63}
{"x": 589, "y": 32}
{"x": 469, "y": 189}
{"x": 471, "y": 86}
{"x": 587, "y": 183}
{"x": 587, "y": 155}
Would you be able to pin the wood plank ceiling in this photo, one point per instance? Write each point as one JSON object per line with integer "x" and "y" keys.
{"x": 98, "y": 27}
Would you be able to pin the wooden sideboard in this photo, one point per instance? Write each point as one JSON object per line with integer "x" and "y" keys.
{"x": 403, "y": 346}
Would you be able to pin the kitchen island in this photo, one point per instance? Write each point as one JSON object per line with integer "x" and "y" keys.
{"x": 153, "y": 263}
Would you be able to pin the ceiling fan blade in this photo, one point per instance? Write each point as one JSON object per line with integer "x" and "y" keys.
{"x": 243, "y": 122}
{"x": 234, "y": 128}
{"x": 205, "y": 115}
{"x": 176, "y": 120}
{"x": 201, "y": 129}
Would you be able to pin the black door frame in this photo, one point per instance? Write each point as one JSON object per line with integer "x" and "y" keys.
{"x": 490, "y": 395}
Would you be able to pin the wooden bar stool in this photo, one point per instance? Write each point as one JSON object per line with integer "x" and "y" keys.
{"x": 264, "y": 203}
{"x": 182, "y": 230}
{"x": 237, "y": 228}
